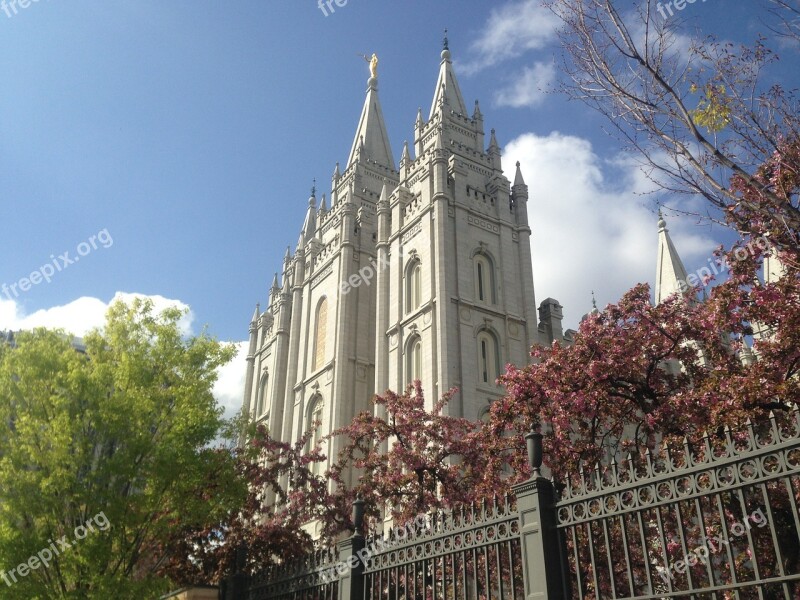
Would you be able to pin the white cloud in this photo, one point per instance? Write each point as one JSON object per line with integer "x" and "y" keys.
{"x": 528, "y": 88}
{"x": 511, "y": 31}
{"x": 80, "y": 316}
{"x": 229, "y": 388}
{"x": 591, "y": 228}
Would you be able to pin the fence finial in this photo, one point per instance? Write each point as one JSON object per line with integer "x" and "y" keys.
{"x": 534, "y": 439}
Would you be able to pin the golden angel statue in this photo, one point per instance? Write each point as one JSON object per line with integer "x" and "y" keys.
{"x": 373, "y": 63}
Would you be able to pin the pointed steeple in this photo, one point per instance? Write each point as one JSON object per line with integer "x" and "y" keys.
{"x": 405, "y": 162}
{"x": 287, "y": 258}
{"x": 447, "y": 90}
{"x": 323, "y": 206}
{"x": 256, "y": 314}
{"x": 518, "y": 180}
{"x": 494, "y": 152}
{"x": 310, "y": 224}
{"x": 494, "y": 147}
{"x": 371, "y": 138}
{"x": 274, "y": 290}
{"x": 477, "y": 114}
{"x": 670, "y": 273}
{"x": 383, "y": 201}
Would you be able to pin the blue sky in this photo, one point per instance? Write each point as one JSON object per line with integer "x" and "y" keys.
{"x": 188, "y": 134}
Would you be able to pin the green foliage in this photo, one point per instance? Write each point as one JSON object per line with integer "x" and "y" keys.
{"x": 123, "y": 429}
{"x": 713, "y": 110}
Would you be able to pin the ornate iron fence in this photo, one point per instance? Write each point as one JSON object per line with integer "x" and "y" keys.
{"x": 720, "y": 520}
{"x": 472, "y": 552}
{"x": 716, "y": 521}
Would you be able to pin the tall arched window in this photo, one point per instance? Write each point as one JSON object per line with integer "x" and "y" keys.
{"x": 484, "y": 279}
{"x": 320, "y": 334}
{"x": 262, "y": 396}
{"x": 315, "y": 417}
{"x": 414, "y": 286}
{"x": 488, "y": 358}
{"x": 414, "y": 359}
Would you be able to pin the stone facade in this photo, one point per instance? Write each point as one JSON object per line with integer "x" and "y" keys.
{"x": 417, "y": 272}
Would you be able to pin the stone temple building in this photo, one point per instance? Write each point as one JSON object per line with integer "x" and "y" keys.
{"x": 420, "y": 270}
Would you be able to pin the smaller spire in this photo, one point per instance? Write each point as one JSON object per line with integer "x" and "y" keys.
{"x": 477, "y": 114}
{"x": 493, "y": 145}
{"x": 314, "y": 189}
{"x": 256, "y": 314}
{"x": 439, "y": 143}
{"x": 405, "y": 162}
{"x": 323, "y": 205}
{"x": 445, "y": 42}
{"x": 406, "y": 157}
{"x": 518, "y": 180}
{"x": 594, "y": 304}
{"x": 274, "y": 290}
{"x": 288, "y": 256}
{"x": 671, "y": 277}
{"x": 419, "y": 122}
{"x": 337, "y": 174}
{"x": 384, "y": 199}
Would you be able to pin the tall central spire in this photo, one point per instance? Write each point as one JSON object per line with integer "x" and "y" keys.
{"x": 447, "y": 90}
{"x": 371, "y": 140}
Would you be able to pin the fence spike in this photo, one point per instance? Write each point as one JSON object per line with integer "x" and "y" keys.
{"x": 631, "y": 467}
{"x": 751, "y": 434}
{"x": 648, "y": 457}
{"x": 687, "y": 452}
{"x": 729, "y": 441}
{"x": 598, "y": 476}
{"x": 707, "y": 449}
{"x": 667, "y": 452}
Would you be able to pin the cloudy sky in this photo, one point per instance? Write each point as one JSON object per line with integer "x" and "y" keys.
{"x": 167, "y": 148}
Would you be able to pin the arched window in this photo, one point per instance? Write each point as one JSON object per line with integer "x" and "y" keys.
{"x": 320, "y": 334}
{"x": 488, "y": 358}
{"x": 413, "y": 286}
{"x": 484, "y": 279}
{"x": 315, "y": 418}
{"x": 414, "y": 359}
{"x": 262, "y": 396}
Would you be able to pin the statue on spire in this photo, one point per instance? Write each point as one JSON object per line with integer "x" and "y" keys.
{"x": 373, "y": 64}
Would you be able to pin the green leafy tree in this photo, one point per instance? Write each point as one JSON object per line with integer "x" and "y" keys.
{"x": 104, "y": 452}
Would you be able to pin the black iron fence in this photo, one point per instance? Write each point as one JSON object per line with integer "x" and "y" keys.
{"x": 718, "y": 521}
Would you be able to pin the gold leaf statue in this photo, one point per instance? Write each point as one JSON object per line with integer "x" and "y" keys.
{"x": 373, "y": 64}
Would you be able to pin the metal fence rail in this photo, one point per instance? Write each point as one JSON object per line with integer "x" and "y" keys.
{"x": 720, "y": 520}
{"x": 473, "y": 552}
{"x": 301, "y": 579}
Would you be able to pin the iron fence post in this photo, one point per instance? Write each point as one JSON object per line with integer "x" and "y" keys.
{"x": 236, "y": 586}
{"x": 350, "y": 567}
{"x": 541, "y": 552}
